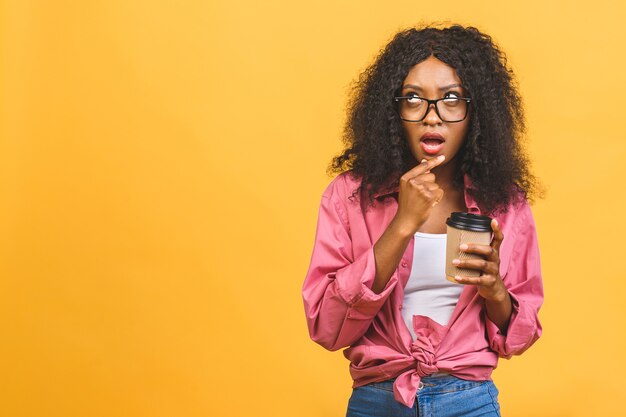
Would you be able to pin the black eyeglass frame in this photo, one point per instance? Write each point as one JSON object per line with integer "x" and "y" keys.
{"x": 434, "y": 102}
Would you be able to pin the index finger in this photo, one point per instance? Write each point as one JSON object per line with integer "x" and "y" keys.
{"x": 424, "y": 167}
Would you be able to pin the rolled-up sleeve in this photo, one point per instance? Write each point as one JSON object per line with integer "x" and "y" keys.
{"x": 338, "y": 301}
{"x": 524, "y": 283}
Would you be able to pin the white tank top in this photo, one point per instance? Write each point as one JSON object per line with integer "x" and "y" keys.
{"x": 428, "y": 292}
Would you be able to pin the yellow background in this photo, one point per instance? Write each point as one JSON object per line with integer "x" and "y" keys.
{"x": 161, "y": 166}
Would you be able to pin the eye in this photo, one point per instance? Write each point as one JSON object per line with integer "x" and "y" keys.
{"x": 452, "y": 94}
{"x": 413, "y": 98}
{"x": 451, "y": 97}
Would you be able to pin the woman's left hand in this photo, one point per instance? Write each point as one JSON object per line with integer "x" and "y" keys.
{"x": 489, "y": 283}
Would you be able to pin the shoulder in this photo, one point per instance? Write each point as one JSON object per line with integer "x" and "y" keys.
{"x": 517, "y": 206}
{"x": 522, "y": 211}
{"x": 342, "y": 186}
{"x": 336, "y": 197}
{"x": 518, "y": 227}
{"x": 518, "y": 218}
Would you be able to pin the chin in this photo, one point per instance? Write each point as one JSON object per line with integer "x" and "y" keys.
{"x": 428, "y": 156}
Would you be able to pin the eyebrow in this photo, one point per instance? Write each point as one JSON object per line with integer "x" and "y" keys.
{"x": 445, "y": 87}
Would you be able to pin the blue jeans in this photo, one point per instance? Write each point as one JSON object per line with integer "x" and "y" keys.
{"x": 440, "y": 396}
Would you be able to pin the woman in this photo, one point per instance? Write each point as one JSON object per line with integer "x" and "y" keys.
{"x": 435, "y": 127}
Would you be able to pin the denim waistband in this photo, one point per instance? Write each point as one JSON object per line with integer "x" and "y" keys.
{"x": 434, "y": 384}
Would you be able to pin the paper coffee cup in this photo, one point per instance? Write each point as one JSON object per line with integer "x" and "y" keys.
{"x": 465, "y": 228}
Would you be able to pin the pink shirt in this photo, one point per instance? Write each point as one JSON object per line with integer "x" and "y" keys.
{"x": 342, "y": 310}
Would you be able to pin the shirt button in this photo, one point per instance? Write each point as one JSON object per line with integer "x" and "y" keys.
{"x": 403, "y": 264}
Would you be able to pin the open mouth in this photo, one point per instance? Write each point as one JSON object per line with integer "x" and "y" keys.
{"x": 432, "y": 145}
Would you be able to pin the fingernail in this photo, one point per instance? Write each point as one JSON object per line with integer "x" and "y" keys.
{"x": 423, "y": 160}
{"x": 464, "y": 246}
{"x": 456, "y": 262}
{"x": 442, "y": 157}
{"x": 496, "y": 222}
{"x": 458, "y": 278}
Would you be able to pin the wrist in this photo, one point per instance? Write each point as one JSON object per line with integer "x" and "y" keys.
{"x": 500, "y": 296}
{"x": 400, "y": 229}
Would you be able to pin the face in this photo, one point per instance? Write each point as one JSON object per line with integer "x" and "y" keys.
{"x": 433, "y": 79}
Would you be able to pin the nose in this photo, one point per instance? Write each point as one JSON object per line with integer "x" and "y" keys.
{"x": 432, "y": 118}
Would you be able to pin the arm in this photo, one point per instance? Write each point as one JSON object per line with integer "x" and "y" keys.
{"x": 388, "y": 251}
{"x": 338, "y": 298}
{"x": 525, "y": 292}
{"x": 342, "y": 295}
{"x": 499, "y": 311}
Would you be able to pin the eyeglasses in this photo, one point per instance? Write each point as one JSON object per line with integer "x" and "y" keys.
{"x": 451, "y": 109}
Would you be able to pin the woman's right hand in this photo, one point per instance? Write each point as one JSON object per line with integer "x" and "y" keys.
{"x": 418, "y": 194}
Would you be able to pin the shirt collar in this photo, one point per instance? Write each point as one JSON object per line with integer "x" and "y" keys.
{"x": 470, "y": 202}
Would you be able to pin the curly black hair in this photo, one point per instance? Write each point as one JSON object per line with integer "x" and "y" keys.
{"x": 492, "y": 154}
